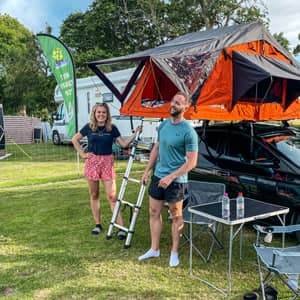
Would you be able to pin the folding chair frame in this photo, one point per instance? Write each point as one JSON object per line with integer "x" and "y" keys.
{"x": 211, "y": 227}
{"x": 272, "y": 270}
{"x": 212, "y": 230}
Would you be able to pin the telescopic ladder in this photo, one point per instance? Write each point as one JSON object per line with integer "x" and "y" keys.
{"x": 133, "y": 206}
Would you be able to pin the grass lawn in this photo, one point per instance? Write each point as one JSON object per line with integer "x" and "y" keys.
{"x": 47, "y": 251}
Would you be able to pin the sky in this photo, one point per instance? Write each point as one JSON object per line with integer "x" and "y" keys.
{"x": 36, "y": 14}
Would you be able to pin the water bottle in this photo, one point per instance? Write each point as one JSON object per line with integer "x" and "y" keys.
{"x": 225, "y": 206}
{"x": 240, "y": 206}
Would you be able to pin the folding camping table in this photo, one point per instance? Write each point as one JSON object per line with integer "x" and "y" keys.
{"x": 254, "y": 210}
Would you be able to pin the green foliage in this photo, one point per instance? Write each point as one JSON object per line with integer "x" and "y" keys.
{"x": 43, "y": 114}
{"x": 284, "y": 42}
{"x": 24, "y": 84}
{"x": 208, "y": 14}
{"x": 297, "y": 48}
{"x": 119, "y": 27}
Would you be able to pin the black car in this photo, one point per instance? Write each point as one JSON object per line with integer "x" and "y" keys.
{"x": 259, "y": 159}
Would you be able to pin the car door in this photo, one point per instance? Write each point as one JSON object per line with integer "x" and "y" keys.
{"x": 249, "y": 164}
{"x": 207, "y": 169}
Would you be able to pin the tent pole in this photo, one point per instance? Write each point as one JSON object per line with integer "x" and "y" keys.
{"x": 268, "y": 89}
{"x": 252, "y": 136}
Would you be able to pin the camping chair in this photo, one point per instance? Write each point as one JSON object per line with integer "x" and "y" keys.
{"x": 200, "y": 192}
{"x": 279, "y": 262}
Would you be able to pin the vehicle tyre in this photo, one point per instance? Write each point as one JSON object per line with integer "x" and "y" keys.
{"x": 56, "y": 138}
{"x": 297, "y": 221}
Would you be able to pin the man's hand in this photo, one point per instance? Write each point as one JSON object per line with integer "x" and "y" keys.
{"x": 166, "y": 181}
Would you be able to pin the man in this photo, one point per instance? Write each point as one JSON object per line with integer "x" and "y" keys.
{"x": 174, "y": 154}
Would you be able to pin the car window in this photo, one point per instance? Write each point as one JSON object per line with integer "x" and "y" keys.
{"x": 290, "y": 147}
{"x": 214, "y": 141}
{"x": 240, "y": 148}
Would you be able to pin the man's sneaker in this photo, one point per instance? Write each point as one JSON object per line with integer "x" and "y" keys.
{"x": 97, "y": 229}
{"x": 121, "y": 235}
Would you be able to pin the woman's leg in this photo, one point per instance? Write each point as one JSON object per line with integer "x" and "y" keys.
{"x": 111, "y": 195}
{"x": 94, "y": 199}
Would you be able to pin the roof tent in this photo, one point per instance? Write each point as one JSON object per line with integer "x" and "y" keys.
{"x": 233, "y": 73}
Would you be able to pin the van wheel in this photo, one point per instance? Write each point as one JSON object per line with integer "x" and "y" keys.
{"x": 56, "y": 138}
{"x": 297, "y": 233}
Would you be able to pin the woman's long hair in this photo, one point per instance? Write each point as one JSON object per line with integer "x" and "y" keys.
{"x": 93, "y": 121}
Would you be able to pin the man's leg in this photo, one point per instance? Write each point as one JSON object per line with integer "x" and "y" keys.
{"x": 155, "y": 208}
{"x": 177, "y": 227}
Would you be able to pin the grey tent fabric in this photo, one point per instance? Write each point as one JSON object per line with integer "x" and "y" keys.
{"x": 250, "y": 69}
{"x": 188, "y": 62}
{"x": 208, "y": 44}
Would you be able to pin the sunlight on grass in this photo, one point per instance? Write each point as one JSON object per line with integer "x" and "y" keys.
{"x": 47, "y": 251}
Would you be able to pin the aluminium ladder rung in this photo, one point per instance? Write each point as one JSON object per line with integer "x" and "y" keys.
{"x": 133, "y": 180}
{"x": 128, "y": 203}
{"x": 121, "y": 227}
{"x": 135, "y": 206}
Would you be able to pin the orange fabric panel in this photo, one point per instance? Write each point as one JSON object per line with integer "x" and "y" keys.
{"x": 218, "y": 87}
{"x": 245, "y": 111}
{"x": 153, "y": 84}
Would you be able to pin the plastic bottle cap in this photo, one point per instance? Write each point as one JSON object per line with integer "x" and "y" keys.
{"x": 225, "y": 194}
{"x": 240, "y": 194}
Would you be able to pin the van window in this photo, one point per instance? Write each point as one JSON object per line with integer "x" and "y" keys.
{"x": 107, "y": 97}
{"x": 60, "y": 112}
{"x": 88, "y": 100}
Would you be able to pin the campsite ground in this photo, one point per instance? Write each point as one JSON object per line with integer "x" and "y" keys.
{"x": 47, "y": 251}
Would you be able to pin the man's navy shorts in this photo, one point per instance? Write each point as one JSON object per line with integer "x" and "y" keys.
{"x": 175, "y": 192}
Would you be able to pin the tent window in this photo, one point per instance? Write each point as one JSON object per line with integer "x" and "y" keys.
{"x": 192, "y": 69}
{"x": 257, "y": 92}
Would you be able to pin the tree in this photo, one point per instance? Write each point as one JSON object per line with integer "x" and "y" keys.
{"x": 284, "y": 42}
{"x": 23, "y": 84}
{"x": 112, "y": 28}
{"x": 218, "y": 13}
{"x": 297, "y": 48}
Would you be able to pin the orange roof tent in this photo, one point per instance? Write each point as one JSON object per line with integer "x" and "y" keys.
{"x": 233, "y": 73}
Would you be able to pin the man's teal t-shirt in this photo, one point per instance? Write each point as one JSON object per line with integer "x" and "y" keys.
{"x": 174, "y": 141}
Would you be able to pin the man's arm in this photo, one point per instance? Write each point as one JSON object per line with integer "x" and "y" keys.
{"x": 187, "y": 166}
{"x": 151, "y": 162}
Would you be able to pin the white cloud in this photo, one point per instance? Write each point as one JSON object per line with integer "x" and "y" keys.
{"x": 36, "y": 14}
{"x": 285, "y": 17}
{"x": 32, "y": 14}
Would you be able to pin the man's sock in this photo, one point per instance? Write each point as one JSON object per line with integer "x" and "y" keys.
{"x": 174, "y": 260}
{"x": 149, "y": 254}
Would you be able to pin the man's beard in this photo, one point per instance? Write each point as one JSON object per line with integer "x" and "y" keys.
{"x": 175, "y": 112}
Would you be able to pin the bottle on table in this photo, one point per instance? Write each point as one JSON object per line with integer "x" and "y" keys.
{"x": 240, "y": 205}
{"x": 225, "y": 206}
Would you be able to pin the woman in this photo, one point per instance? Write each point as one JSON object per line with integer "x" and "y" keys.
{"x": 101, "y": 134}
